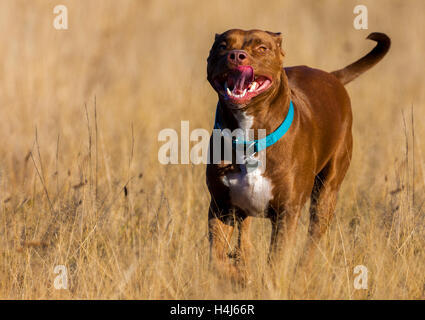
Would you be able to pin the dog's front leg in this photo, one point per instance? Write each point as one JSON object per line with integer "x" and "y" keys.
{"x": 244, "y": 245}
{"x": 220, "y": 229}
{"x": 284, "y": 224}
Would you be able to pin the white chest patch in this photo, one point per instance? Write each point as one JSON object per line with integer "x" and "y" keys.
{"x": 250, "y": 191}
{"x": 245, "y": 122}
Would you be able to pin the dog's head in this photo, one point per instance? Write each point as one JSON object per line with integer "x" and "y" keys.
{"x": 244, "y": 67}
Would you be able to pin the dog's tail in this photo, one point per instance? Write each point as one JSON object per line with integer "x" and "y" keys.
{"x": 352, "y": 71}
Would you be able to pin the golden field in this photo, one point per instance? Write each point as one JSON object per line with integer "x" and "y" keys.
{"x": 80, "y": 113}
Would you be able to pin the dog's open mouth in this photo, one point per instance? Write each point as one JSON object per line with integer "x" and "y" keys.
{"x": 241, "y": 84}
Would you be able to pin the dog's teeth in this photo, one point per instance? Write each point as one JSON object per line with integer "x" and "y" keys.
{"x": 226, "y": 88}
{"x": 228, "y": 91}
{"x": 244, "y": 93}
{"x": 253, "y": 86}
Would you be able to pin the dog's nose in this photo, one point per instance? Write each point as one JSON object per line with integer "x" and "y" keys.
{"x": 237, "y": 56}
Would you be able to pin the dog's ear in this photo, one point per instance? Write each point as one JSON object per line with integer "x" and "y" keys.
{"x": 217, "y": 36}
{"x": 277, "y": 36}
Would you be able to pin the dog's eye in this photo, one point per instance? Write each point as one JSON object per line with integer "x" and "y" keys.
{"x": 222, "y": 46}
{"x": 262, "y": 48}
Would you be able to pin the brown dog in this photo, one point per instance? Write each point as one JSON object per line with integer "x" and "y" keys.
{"x": 310, "y": 160}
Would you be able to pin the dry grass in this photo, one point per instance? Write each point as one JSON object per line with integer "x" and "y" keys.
{"x": 64, "y": 166}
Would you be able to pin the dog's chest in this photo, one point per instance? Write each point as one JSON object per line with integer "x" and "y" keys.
{"x": 251, "y": 191}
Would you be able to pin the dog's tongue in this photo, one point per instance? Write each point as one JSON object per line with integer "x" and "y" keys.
{"x": 241, "y": 77}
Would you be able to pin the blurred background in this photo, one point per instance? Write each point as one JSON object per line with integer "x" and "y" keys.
{"x": 81, "y": 186}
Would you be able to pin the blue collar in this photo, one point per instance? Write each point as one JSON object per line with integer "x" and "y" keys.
{"x": 269, "y": 140}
